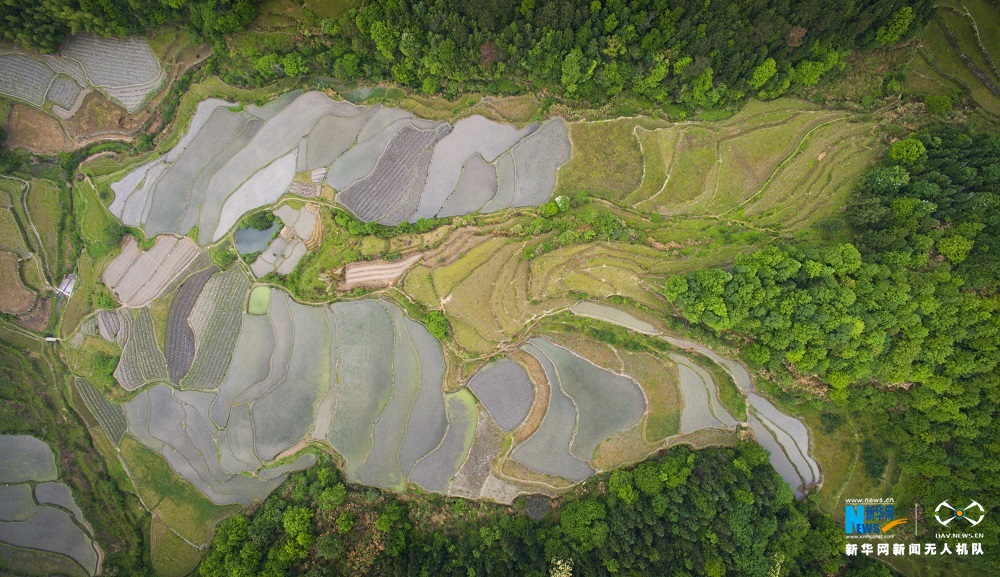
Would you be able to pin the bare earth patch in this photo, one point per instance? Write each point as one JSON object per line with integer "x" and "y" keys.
{"x": 30, "y": 128}
{"x": 378, "y": 273}
{"x": 15, "y": 298}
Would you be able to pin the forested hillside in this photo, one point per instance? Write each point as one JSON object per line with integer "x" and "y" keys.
{"x": 714, "y": 512}
{"x": 45, "y": 25}
{"x": 689, "y": 53}
{"x": 902, "y": 324}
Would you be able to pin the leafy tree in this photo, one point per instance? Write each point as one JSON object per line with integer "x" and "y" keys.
{"x": 293, "y": 64}
{"x": 764, "y": 72}
{"x": 896, "y": 28}
{"x": 332, "y": 497}
{"x": 907, "y": 151}
{"x": 438, "y": 325}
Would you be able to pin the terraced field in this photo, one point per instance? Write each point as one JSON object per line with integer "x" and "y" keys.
{"x": 302, "y": 231}
{"x": 785, "y": 438}
{"x": 37, "y": 512}
{"x": 385, "y": 162}
{"x": 137, "y": 277}
{"x": 781, "y": 164}
{"x": 123, "y": 68}
{"x": 957, "y": 56}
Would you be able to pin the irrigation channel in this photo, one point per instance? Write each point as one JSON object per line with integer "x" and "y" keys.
{"x": 785, "y": 437}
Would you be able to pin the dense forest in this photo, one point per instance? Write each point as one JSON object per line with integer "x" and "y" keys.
{"x": 687, "y": 53}
{"x": 45, "y": 25}
{"x": 903, "y": 323}
{"x": 713, "y": 512}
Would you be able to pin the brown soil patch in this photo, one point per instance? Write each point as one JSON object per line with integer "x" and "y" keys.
{"x": 37, "y": 319}
{"x": 15, "y": 298}
{"x": 378, "y": 273}
{"x": 541, "y": 403}
{"x": 30, "y": 128}
{"x": 100, "y": 118}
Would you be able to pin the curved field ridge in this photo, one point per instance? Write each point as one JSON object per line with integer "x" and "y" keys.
{"x": 388, "y": 165}
{"x": 123, "y": 68}
{"x": 359, "y": 375}
{"x": 47, "y": 524}
{"x": 548, "y": 449}
{"x": 179, "y": 345}
{"x": 785, "y": 437}
{"x": 137, "y": 277}
{"x": 141, "y": 361}
{"x": 109, "y": 415}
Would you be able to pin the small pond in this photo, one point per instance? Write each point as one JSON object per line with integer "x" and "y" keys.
{"x": 249, "y": 240}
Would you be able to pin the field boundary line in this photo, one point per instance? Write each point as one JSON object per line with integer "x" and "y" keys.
{"x": 798, "y": 150}
{"x": 27, "y": 215}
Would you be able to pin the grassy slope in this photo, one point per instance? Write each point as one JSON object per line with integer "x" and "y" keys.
{"x": 172, "y": 499}
{"x": 35, "y": 399}
{"x": 938, "y": 69}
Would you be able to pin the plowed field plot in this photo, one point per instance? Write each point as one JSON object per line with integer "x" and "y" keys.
{"x": 376, "y": 274}
{"x": 15, "y": 298}
{"x": 215, "y": 321}
{"x": 123, "y": 68}
{"x": 179, "y": 346}
{"x": 110, "y": 415}
{"x": 63, "y": 91}
{"x": 24, "y": 78}
{"x": 388, "y": 165}
{"x": 506, "y": 391}
{"x": 391, "y": 193}
{"x": 138, "y": 277}
{"x": 141, "y": 361}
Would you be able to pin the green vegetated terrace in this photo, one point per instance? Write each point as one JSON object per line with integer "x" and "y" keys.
{"x": 647, "y": 201}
